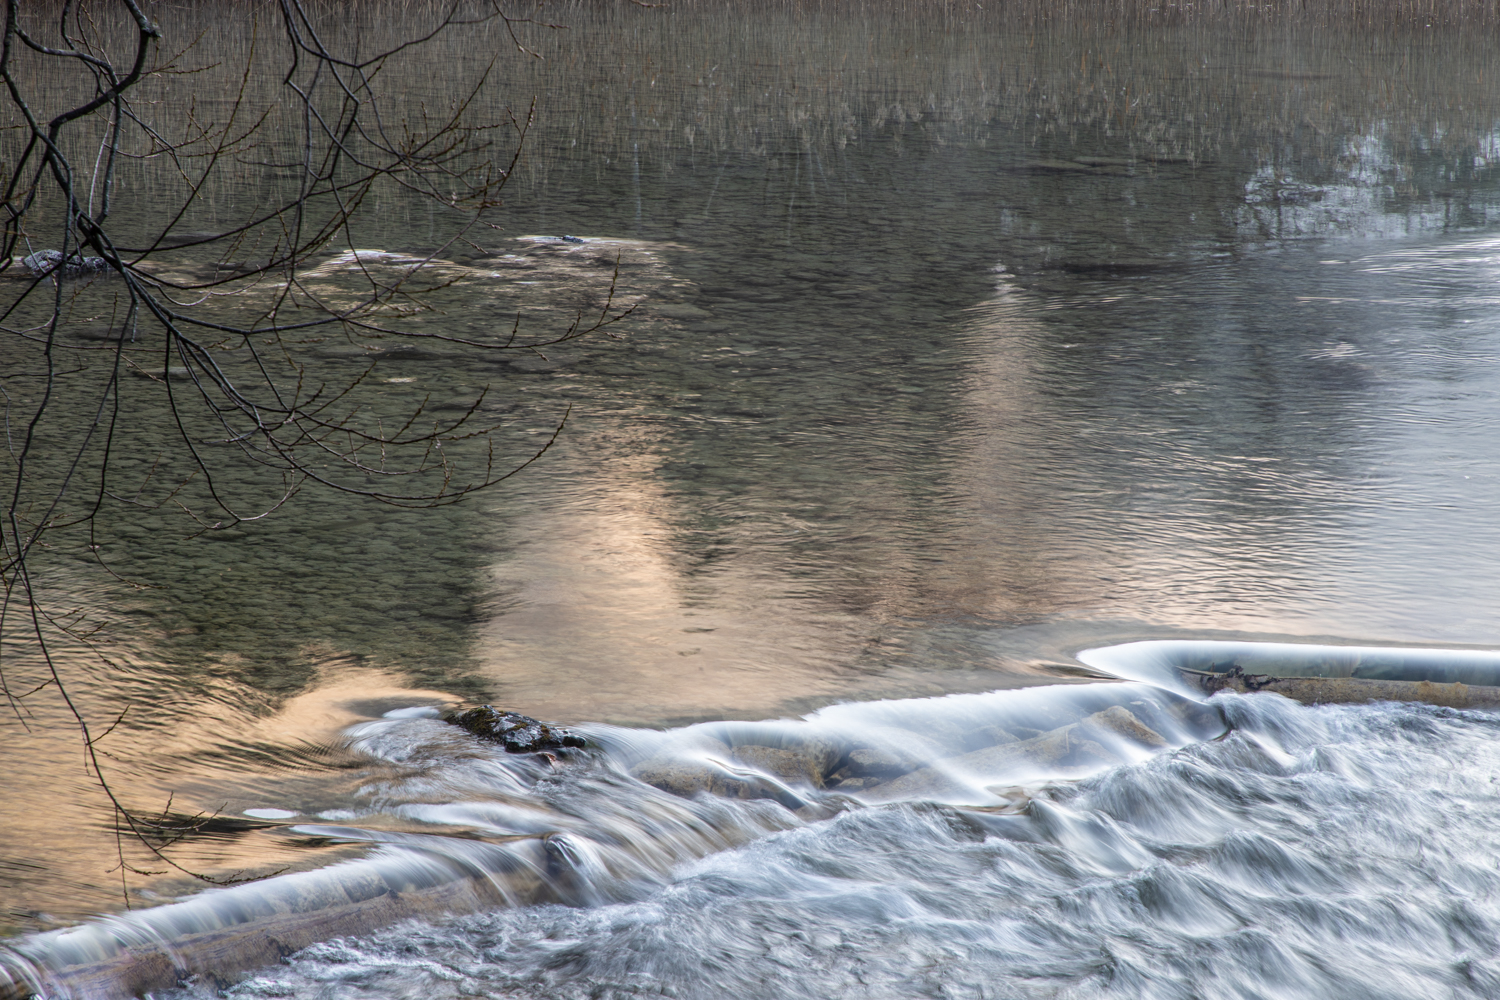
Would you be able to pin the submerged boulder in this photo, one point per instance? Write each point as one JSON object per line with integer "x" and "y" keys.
{"x": 517, "y": 733}
{"x": 795, "y": 766}
{"x": 1122, "y": 722}
{"x": 873, "y": 762}
{"x": 714, "y": 767}
{"x": 801, "y": 755}
{"x": 687, "y": 777}
{"x": 852, "y": 784}
{"x": 1092, "y": 742}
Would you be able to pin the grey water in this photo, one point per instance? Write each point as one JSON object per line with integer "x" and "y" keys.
{"x": 961, "y": 349}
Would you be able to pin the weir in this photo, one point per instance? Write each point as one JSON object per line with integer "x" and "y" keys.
{"x": 689, "y": 792}
{"x": 1311, "y": 674}
{"x": 225, "y": 931}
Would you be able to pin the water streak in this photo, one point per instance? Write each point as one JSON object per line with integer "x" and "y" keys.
{"x": 1175, "y": 829}
{"x": 1333, "y": 852}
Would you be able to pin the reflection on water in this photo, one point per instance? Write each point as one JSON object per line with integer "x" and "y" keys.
{"x": 960, "y": 350}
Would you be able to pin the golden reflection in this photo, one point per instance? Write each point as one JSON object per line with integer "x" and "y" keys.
{"x": 194, "y": 766}
{"x": 603, "y": 625}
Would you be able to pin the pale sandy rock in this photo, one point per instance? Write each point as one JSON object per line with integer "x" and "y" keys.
{"x": 871, "y": 762}
{"x": 793, "y": 766}
{"x": 1073, "y": 746}
{"x": 1122, "y": 722}
{"x": 687, "y": 777}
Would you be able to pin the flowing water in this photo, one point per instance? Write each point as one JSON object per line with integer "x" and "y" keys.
{"x": 963, "y": 345}
{"x": 1330, "y": 853}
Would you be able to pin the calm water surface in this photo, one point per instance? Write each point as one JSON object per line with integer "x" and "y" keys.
{"x": 962, "y": 348}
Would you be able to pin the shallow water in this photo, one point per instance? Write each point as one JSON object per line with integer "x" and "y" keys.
{"x": 960, "y": 351}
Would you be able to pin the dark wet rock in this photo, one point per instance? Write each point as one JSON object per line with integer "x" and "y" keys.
{"x": 517, "y": 733}
{"x": 51, "y": 262}
{"x": 798, "y": 767}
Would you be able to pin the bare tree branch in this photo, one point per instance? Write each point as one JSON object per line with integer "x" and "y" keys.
{"x": 268, "y": 409}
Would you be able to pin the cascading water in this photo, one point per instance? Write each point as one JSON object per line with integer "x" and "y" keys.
{"x": 1121, "y": 838}
{"x": 1330, "y": 852}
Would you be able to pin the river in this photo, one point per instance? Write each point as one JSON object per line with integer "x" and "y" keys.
{"x": 963, "y": 345}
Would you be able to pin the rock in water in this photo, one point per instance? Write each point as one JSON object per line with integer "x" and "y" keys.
{"x": 872, "y": 762}
{"x": 688, "y": 777}
{"x": 517, "y": 733}
{"x": 1122, "y": 722}
{"x": 1077, "y": 745}
{"x": 711, "y": 766}
{"x": 788, "y": 765}
{"x": 44, "y": 261}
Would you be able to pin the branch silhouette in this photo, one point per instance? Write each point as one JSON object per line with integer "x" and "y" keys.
{"x": 210, "y": 329}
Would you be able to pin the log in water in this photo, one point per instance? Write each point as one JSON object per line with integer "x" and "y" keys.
{"x": 1349, "y": 690}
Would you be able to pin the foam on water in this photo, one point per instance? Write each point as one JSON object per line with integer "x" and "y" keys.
{"x": 1329, "y": 852}
{"x": 1124, "y": 838}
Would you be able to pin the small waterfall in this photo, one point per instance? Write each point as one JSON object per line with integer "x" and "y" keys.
{"x": 612, "y": 822}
